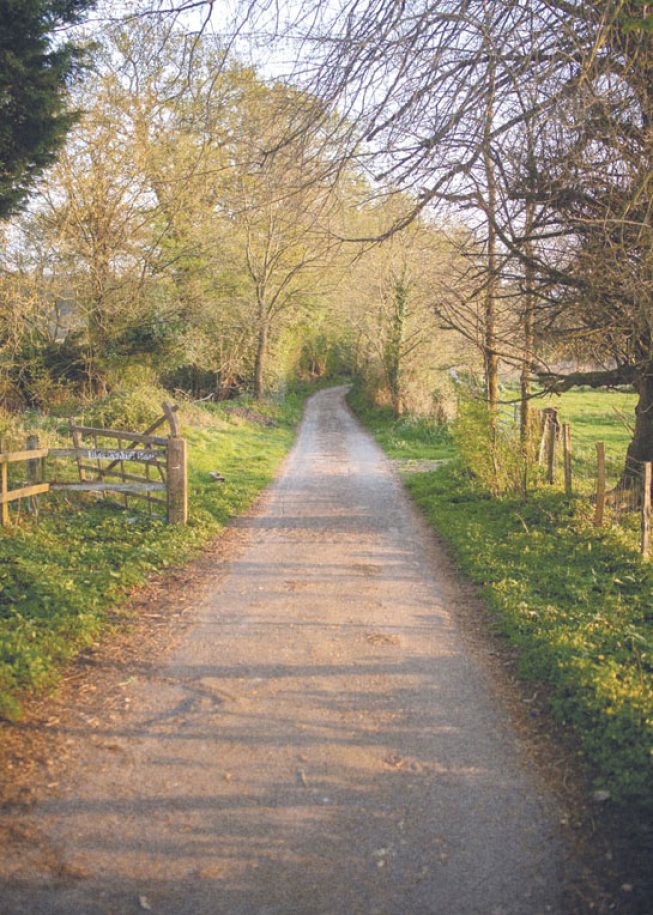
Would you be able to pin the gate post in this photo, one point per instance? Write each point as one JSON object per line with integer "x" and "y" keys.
{"x": 177, "y": 481}
{"x": 177, "y": 470}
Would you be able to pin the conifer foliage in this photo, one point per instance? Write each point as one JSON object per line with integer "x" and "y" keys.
{"x": 35, "y": 66}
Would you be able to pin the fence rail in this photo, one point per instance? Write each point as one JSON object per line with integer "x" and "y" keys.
{"x": 167, "y": 461}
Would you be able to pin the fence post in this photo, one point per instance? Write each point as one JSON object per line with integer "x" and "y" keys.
{"x": 77, "y": 443}
{"x": 177, "y": 481}
{"x": 4, "y": 514}
{"x": 646, "y": 509}
{"x": 566, "y": 446}
{"x": 33, "y": 472}
{"x": 600, "y": 484}
{"x": 552, "y": 425}
{"x": 543, "y": 420}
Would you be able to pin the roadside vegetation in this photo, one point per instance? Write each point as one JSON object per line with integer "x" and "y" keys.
{"x": 575, "y": 601}
{"x": 63, "y": 578}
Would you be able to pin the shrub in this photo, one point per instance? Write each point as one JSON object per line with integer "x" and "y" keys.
{"x": 493, "y": 456}
{"x": 128, "y": 409}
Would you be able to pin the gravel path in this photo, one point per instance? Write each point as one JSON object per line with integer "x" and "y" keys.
{"x": 320, "y": 741}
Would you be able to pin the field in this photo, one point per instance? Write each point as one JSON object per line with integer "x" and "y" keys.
{"x": 596, "y": 416}
{"x": 62, "y": 579}
{"x": 575, "y": 601}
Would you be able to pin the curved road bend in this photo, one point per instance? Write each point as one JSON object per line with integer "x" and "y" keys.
{"x": 319, "y": 742}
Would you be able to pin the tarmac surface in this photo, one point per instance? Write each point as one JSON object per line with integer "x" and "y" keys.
{"x": 320, "y": 741}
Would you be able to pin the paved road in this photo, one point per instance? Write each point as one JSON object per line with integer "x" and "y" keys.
{"x": 319, "y": 742}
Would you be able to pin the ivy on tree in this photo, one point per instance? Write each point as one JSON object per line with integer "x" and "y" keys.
{"x": 34, "y": 71}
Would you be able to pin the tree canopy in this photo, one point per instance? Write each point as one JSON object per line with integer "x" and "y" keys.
{"x": 35, "y": 67}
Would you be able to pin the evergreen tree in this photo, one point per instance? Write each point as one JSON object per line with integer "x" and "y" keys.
{"x": 35, "y": 66}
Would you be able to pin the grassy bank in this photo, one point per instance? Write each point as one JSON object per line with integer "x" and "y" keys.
{"x": 575, "y": 601}
{"x": 60, "y": 577}
{"x": 406, "y": 438}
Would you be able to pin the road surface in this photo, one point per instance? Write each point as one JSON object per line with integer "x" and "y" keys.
{"x": 320, "y": 740}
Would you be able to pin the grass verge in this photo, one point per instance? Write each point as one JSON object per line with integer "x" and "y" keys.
{"x": 575, "y": 601}
{"x": 60, "y": 577}
{"x": 413, "y": 438}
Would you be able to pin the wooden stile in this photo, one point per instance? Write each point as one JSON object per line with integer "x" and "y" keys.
{"x": 168, "y": 457}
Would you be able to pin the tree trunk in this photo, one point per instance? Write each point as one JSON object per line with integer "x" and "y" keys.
{"x": 490, "y": 356}
{"x": 641, "y": 446}
{"x": 527, "y": 325}
{"x": 393, "y": 352}
{"x": 259, "y": 364}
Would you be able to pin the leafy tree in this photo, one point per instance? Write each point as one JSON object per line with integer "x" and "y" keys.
{"x": 35, "y": 69}
{"x": 439, "y": 95}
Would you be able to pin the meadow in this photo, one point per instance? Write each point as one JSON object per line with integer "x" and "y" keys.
{"x": 595, "y": 416}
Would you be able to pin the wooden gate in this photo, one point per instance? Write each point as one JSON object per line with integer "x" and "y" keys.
{"x": 115, "y": 462}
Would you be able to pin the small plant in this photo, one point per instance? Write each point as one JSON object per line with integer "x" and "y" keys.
{"x": 489, "y": 450}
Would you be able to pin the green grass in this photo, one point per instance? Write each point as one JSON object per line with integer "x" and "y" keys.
{"x": 576, "y": 602}
{"x": 60, "y": 577}
{"x": 595, "y": 416}
{"x": 409, "y": 437}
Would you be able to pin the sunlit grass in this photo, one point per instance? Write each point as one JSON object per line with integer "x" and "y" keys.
{"x": 596, "y": 416}
{"x": 60, "y": 576}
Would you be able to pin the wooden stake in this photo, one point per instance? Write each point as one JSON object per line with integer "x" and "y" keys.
{"x": 600, "y": 484}
{"x": 646, "y": 509}
{"x": 33, "y": 472}
{"x": 551, "y": 448}
{"x": 543, "y": 425}
{"x": 566, "y": 446}
{"x": 4, "y": 486}
{"x": 177, "y": 481}
{"x": 77, "y": 442}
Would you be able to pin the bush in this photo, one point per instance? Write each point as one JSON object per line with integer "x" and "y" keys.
{"x": 128, "y": 409}
{"x": 493, "y": 456}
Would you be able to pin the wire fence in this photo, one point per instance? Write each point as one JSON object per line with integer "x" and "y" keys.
{"x": 624, "y": 501}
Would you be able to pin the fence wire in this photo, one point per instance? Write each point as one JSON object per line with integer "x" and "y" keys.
{"x": 626, "y": 497}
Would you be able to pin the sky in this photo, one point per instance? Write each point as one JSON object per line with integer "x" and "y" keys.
{"x": 217, "y": 18}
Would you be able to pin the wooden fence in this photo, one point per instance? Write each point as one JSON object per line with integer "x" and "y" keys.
{"x": 157, "y": 465}
{"x": 635, "y": 496}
